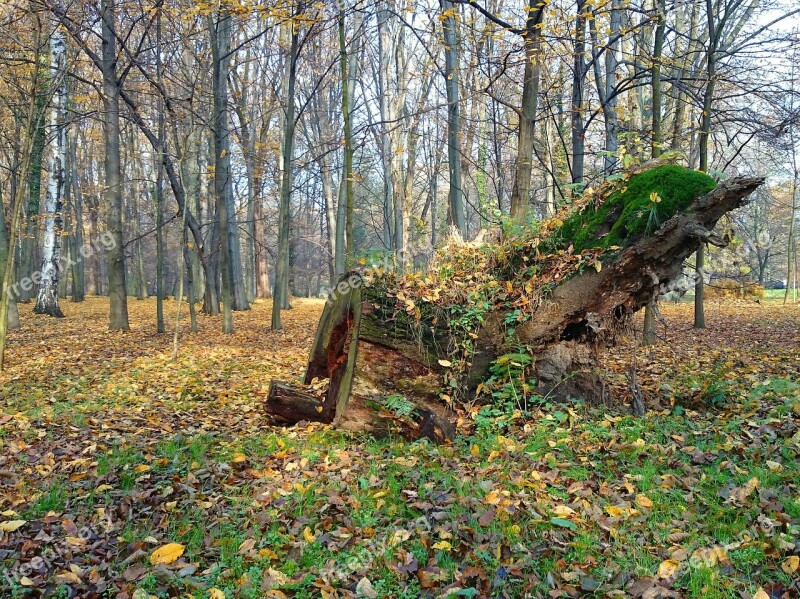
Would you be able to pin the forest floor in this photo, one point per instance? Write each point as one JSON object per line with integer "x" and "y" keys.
{"x": 125, "y": 474}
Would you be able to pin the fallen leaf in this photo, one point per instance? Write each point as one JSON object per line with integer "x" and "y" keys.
{"x": 11, "y": 525}
{"x": 308, "y": 535}
{"x": 668, "y": 568}
{"x": 364, "y": 588}
{"x": 791, "y": 564}
{"x": 166, "y": 554}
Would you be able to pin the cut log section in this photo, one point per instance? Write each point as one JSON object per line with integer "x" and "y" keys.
{"x": 385, "y": 378}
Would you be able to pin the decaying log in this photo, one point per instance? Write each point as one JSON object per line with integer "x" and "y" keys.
{"x": 366, "y": 367}
{"x": 384, "y": 378}
{"x": 290, "y": 405}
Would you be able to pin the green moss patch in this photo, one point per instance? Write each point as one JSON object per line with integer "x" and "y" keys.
{"x": 636, "y": 209}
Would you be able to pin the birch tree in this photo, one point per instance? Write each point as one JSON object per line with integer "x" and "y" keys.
{"x": 47, "y": 299}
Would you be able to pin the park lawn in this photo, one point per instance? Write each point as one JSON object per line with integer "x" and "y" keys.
{"x": 110, "y": 450}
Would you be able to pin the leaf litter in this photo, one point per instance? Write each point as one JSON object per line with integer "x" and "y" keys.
{"x": 125, "y": 474}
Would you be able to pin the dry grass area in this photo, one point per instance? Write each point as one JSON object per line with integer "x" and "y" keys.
{"x": 126, "y": 474}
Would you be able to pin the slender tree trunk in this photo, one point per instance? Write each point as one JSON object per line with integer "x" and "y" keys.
{"x": 223, "y": 193}
{"x": 47, "y": 298}
{"x": 387, "y": 121}
{"x": 791, "y": 246}
{"x": 118, "y": 317}
{"x": 521, "y": 191}
{"x": 685, "y": 57}
{"x": 649, "y": 332}
{"x": 348, "y": 66}
{"x": 30, "y": 239}
{"x": 610, "y": 94}
{"x": 78, "y": 262}
{"x": 281, "y": 294}
{"x": 705, "y": 133}
{"x": 159, "y": 190}
{"x": 578, "y": 80}
{"x": 32, "y": 124}
{"x": 658, "y": 48}
{"x": 12, "y": 321}
{"x": 456, "y": 192}
{"x": 262, "y": 264}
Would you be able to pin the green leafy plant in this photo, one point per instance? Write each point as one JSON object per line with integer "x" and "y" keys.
{"x": 398, "y": 404}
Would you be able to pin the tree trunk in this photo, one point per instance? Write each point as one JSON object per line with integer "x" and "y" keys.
{"x": 383, "y": 375}
{"x": 233, "y": 290}
{"x": 649, "y": 327}
{"x": 78, "y": 261}
{"x": 521, "y": 192}
{"x": 281, "y": 294}
{"x": 47, "y": 298}
{"x": 348, "y": 65}
{"x": 451, "y": 73}
{"x": 12, "y": 320}
{"x": 27, "y": 143}
{"x": 34, "y": 181}
{"x": 118, "y": 317}
{"x": 578, "y": 80}
{"x": 705, "y": 133}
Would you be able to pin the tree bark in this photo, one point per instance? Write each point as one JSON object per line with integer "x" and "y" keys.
{"x": 281, "y": 294}
{"x": 521, "y": 191}
{"x": 47, "y": 298}
{"x": 348, "y": 65}
{"x": 578, "y": 80}
{"x": 78, "y": 262}
{"x": 118, "y": 317}
{"x": 456, "y": 193}
{"x": 27, "y": 143}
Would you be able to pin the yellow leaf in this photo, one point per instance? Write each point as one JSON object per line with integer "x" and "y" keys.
{"x": 445, "y": 363}
{"x": 11, "y": 525}
{"x": 598, "y": 266}
{"x": 215, "y": 594}
{"x": 442, "y": 546}
{"x": 68, "y": 577}
{"x": 791, "y": 564}
{"x": 760, "y": 594}
{"x": 308, "y": 535}
{"x": 166, "y": 554}
{"x": 563, "y": 510}
{"x": 141, "y": 468}
{"x": 668, "y": 568}
{"x": 643, "y": 501}
{"x": 614, "y": 511}
{"x": 238, "y": 458}
{"x": 26, "y": 582}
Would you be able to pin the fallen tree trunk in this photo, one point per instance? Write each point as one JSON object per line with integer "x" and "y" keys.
{"x": 393, "y": 363}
